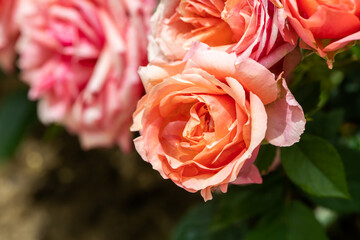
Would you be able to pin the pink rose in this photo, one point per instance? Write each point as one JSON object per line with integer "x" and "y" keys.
{"x": 247, "y": 28}
{"x": 203, "y": 119}
{"x": 80, "y": 58}
{"x": 327, "y": 27}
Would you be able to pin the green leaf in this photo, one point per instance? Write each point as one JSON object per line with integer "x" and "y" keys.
{"x": 17, "y": 113}
{"x": 265, "y": 157}
{"x": 351, "y": 159}
{"x": 316, "y": 167}
{"x": 295, "y": 222}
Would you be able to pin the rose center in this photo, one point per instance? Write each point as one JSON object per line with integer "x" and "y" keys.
{"x": 200, "y": 124}
{"x": 206, "y": 121}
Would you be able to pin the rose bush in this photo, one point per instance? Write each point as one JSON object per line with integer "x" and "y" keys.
{"x": 80, "y": 59}
{"x": 327, "y": 27}
{"x": 247, "y": 28}
{"x": 203, "y": 118}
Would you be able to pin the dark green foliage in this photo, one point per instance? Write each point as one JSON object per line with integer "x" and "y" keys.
{"x": 294, "y": 222}
{"x": 316, "y": 167}
{"x": 351, "y": 160}
{"x": 265, "y": 157}
{"x": 17, "y": 113}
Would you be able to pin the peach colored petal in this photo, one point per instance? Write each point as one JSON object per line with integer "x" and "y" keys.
{"x": 206, "y": 194}
{"x": 140, "y": 147}
{"x": 252, "y": 176}
{"x": 214, "y": 150}
{"x": 334, "y": 46}
{"x": 236, "y": 91}
{"x": 291, "y": 61}
{"x": 286, "y": 30}
{"x": 286, "y": 121}
{"x": 258, "y": 130}
{"x": 256, "y": 78}
{"x": 259, "y": 121}
{"x": 221, "y": 110}
{"x": 277, "y": 55}
{"x": 151, "y": 74}
{"x": 200, "y": 182}
{"x": 217, "y": 63}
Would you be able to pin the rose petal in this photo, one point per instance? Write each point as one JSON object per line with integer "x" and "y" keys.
{"x": 286, "y": 121}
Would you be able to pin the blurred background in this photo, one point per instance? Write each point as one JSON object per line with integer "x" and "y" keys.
{"x": 50, "y": 189}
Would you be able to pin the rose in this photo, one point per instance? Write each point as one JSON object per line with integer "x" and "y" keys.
{"x": 80, "y": 58}
{"x": 203, "y": 119}
{"x": 248, "y": 28}
{"x": 327, "y": 27}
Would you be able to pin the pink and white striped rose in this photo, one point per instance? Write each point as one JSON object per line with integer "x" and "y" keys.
{"x": 80, "y": 58}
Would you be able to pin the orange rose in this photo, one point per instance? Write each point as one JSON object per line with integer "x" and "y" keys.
{"x": 203, "y": 119}
{"x": 327, "y": 26}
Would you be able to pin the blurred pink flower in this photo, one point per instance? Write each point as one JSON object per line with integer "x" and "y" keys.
{"x": 247, "y": 28}
{"x": 80, "y": 58}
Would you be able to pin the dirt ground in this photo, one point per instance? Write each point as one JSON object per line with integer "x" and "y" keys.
{"x": 52, "y": 190}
